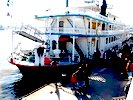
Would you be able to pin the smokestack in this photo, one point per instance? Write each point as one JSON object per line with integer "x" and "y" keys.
{"x": 103, "y": 8}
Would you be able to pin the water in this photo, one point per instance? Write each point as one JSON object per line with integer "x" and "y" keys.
{"x": 12, "y": 84}
{"x": 7, "y": 80}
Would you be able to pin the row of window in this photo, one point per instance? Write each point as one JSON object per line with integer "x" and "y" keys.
{"x": 111, "y": 39}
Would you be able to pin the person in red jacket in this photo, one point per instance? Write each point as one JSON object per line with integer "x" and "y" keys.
{"x": 129, "y": 68}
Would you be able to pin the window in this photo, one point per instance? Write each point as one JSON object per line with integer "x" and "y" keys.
{"x": 61, "y": 24}
{"x": 106, "y": 40}
{"x": 112, "y": 39}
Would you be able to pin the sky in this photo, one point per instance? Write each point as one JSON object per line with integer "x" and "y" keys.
{"x": 24, "y": 10}
{"x": 123, "y": 9}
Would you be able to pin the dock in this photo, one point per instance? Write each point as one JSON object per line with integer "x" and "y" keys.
{"x": 130, "y": 92}
{"x": 112, "y": 88}
{"x": 51, "y": 92}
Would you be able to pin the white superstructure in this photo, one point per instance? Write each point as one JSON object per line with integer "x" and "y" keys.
{"x": 85, "y": 26}
{"x": 79, "y": 31}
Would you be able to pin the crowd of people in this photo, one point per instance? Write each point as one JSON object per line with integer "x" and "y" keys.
{"x": 119, "y": 59}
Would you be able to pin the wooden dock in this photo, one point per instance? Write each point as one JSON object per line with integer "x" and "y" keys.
{"x": 130, "y": 92}
{"x": 51, "y": 92}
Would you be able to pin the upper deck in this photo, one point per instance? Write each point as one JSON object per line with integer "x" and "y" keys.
{"x": 76, "y": 11}
{"x": 80, "y": 21}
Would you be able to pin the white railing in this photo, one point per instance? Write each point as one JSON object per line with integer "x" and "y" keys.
{"x": 29, "y": 30}
{"x": 111, "y": 32}
{"x": 77, "y": 31}
{"x": 82, "y": 31}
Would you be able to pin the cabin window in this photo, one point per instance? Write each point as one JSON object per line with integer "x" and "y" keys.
{"x": 103, "y": 26}
{"x": 93, "y": 25}
{"x": 89, "y": 25}
{"x": 109, "y": 27}
{"x": 106, "y": 40}
{"x": 61, "y": 24}
{"x": 112, "y": 39}
{"x": 115, "y": 38}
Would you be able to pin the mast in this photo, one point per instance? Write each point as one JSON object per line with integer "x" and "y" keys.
{"x": 66, "y": 3}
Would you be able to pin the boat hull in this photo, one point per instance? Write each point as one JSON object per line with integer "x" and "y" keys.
{"x": 61, "y": 72}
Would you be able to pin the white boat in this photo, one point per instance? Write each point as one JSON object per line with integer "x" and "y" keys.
{"x": 76, "y": 32}
{"x": 83, "y": 25}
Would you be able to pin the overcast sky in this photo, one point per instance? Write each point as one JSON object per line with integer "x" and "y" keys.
{"x": 24, "y": 10}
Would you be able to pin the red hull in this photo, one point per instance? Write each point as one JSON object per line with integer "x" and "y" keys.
{"x": 47, "y": 71}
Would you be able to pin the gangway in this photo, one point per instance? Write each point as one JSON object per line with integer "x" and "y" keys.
{"x": 29, "y": 32}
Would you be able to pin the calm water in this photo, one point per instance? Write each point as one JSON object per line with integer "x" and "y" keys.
{"x": 12, "y": 84}
{"x": 7, "y": 80}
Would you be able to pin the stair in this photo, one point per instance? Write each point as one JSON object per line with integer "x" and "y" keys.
{"x": 29, "y": 32}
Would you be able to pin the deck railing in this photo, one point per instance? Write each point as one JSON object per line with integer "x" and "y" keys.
{"x": 72, "y": 31}
{"x": 29, "y": 30}
{"x": 83, "y": 31}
